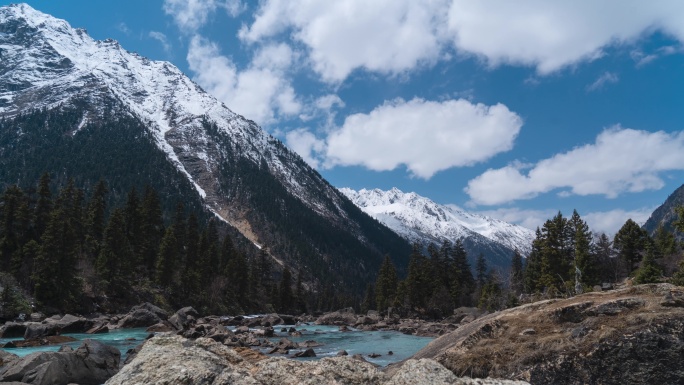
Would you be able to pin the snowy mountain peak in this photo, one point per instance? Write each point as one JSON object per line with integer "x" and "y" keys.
{"x": 419, "y": 219}
{"x": 45, "y": 64}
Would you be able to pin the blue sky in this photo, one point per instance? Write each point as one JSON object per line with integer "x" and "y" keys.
{"x": 513, "y": 109}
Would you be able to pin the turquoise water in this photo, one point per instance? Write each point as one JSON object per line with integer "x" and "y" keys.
{"x": 355, "y": 342}
{"x": 122, "y": 339}
{"x": 333, "y": 340}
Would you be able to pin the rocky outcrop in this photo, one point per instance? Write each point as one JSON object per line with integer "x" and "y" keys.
{"x": 175, "y": 360}
{"x": 91, "y": 363}
{"x": 629, "y": 336}
{"x": 143, "y": 315}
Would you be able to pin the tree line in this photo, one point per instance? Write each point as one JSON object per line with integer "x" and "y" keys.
{"x": 567, "y": 258}
{"x": 69, "y": 252}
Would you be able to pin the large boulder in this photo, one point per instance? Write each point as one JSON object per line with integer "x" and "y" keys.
{"x": 73, "y": 324}
{"x": 91, "y": 363}
{"x": 339, "y": 317}
{"x": 143, "y": 315}
{"x": 12, "y": 330}
{"x": 626, "y": 336}
{"x": 184, "y": 318}
{"x": 175, "y": 360}
{"x": 36, "y": 330}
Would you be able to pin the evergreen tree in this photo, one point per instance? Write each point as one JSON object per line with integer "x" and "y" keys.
{"x": 368, "y": 299}
{"x": 151, "y": 229}
{"x": 533, "y": 267}
{"x": 97, "y": 208}
{"x": 463, "y": 283}
{"x": 584, "y": 259}
{"x": 386, "y": 285}
{"x": 11, "y": 231}
{"x": 517, "y": 283}
{"x": 114, "y": 263}
{"x": 481, "y": 271}
{"x": 43, "y": 205}
{"x": 285, "y": 291}
{"x": 417, "y": 285}
{"x": 166, "y": 260}
{"x": 610, "y": 266}
{"x": 649, "y": 271}
{"x": 665, "y": 241}
{"x": 491, "y": 297}
{"x": 630, "y": 243}
{"x": 133, "y": 220}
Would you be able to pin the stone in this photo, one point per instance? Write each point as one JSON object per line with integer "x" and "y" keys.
{"x": 73, "y": 324}
{"x": 342, "y": 353}
{"x": 306, "y": 353}
{"x": 12, "y": 330}
{"x": 35, "y": 330}
{"x": 140, "y": 316}
{"x": 91, "y": 363}
{"x": 528, "y": 332}
{"x": 98, "y": 329}
{"x": 184, "y": 318}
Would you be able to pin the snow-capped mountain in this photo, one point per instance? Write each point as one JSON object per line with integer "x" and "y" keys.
{"x": 418, "y": 219}
{"x": 243, "y": 175}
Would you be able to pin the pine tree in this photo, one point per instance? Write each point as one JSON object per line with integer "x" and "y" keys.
{"x": 584, "y": 259}
{"x": 115, "y": 262}
{"x": 610, "y": 266}
{"x": 386, "y": 285}
{"x": 416, "y": 282}
{"x": 97, "y": 208}
{"x": 481, "y": 270}
{"x": 533, "y": 267}
{"x": 517, "y": 283}
{"x": 166, "y": 259}
{"x": 133, "y": 219}
{"x": 463, "y": 283}
{"x": 43, "y": 205}
{"x": 285, "y": 291}
{"x": 368, "y": 299}
{"x": 151, "y": 229}
{"x": 630, "y": 243}
{"x": 665, "y": 241}
{"x": 649, "y": 271}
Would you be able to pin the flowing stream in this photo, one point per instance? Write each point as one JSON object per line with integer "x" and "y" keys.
{"x": 331, "y": 339}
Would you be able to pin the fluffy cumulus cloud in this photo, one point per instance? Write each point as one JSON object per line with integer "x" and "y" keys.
{"x": 551, "y": 35}
{"x": 621, "y": 160}
{"x": 610, "y": 222}
{"x": 392, "y": 36}
{"x": 425, "y": 136}
{"x": 259, "y": 92}
{"x": 387, "y": 36}
{"x": 190, "y": 15}
{"x": 306, "y": 144}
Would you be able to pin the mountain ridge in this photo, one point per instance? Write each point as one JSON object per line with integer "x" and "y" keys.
{"x": 421, "y": 220}
{"x": 243, "y": 175}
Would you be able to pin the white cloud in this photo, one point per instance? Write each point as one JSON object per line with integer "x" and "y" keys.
{"x": 551, "y": 35}
{"x": 425, "y": 136}
{"x": 387, "y": 36}
{"x": 306, "y": 145}
{"x": 190, "y": 15}
{"x": 621, "y": 160}
{"x": 123, "y": 27}
{"x": 610, "y": 222}
{"x": 605, "y": 78}
{"x": 394, "y": 36}
{"x": 161, "y": 38}
{"x": 259, "y": 93}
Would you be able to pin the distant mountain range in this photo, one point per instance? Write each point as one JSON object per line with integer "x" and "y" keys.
{"x": 418, "y": 219}
{"x": 87, "y": 109}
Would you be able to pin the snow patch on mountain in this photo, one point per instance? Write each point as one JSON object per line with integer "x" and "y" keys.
{"x": 47, "y": 63}
{"x": 419, "y": 219}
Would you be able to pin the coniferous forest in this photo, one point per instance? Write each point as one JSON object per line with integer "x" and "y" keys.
{"x": 63, "y": 249}
{"x": 566, "y": 259}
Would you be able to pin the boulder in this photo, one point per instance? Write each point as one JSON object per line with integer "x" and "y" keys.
{"x": 184, "y": 318}
{"x": 91, "y": 363}
{"x": 143, "y": 315}
{"x": 35, "y": 330}
{"x": 7, "y": 358}
{"x": 339, "y": 317}
{"x": 306, "y": 353}
{"x": 12, "y": 330}
{"x": 73, "y": 324}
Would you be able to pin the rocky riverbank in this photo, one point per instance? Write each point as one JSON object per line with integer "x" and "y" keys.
{"x": 176, "y": 360}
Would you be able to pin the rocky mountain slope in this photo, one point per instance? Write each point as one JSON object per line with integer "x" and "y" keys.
{"x": 665, "y": 214}
{"x": 57, "y": 82}
{"x": 418, "y": 219}
{"x": 632, "y": 335}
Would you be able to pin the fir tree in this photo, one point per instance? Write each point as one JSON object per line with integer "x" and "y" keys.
{"x": 649, "y": 271}
{"x": 285, "y": 291}
{"x": 151, "y": 229}
{"x": 386, "y": 285}
{"x": 368, "y": 299}
{"x": 517, "y": 283}
{"x": 463, "y": 283}
{"x": 114, "y": 263}
{"x": 630, "y": 242}
{"x": 166, "y": 260}
{"x": 43, "y": 205}
{"x": 96, "y": 219}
